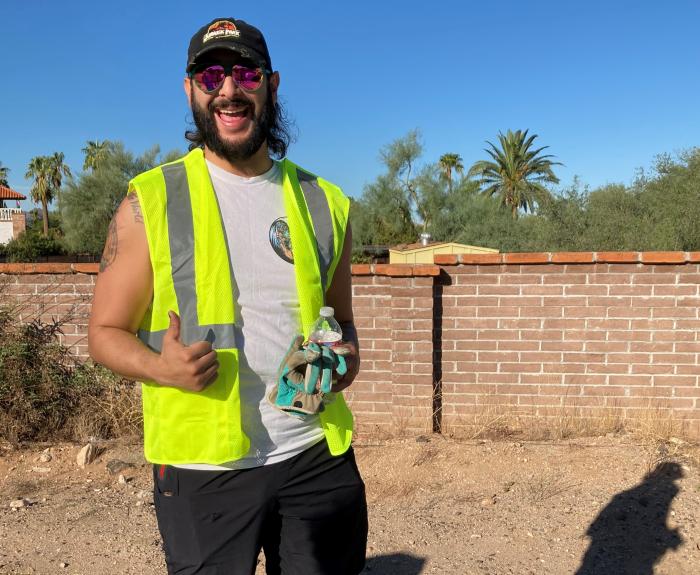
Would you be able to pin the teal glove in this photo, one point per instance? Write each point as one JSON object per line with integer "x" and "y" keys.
{"x": 305, "y": 377}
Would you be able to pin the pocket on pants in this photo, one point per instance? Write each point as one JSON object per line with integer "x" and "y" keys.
{"x": 165, "y": 481}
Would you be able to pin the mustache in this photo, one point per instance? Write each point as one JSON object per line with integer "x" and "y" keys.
{"x": 223, "y": 103}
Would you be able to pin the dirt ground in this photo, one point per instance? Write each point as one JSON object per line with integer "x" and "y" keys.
{"x": 608, "y": 505}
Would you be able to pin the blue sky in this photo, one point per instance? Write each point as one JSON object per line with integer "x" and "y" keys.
{"x": 607, "y": 85}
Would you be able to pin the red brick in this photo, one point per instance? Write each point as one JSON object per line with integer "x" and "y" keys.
{"x": 566, "y": 279}
{"x": 477, "y": 280}
{"x": 678, "y": 336}
{"x": 520, "y": 367}
{"x": 543, "y": 312}
{"x": 518, "y": 345}
{"x": 426, "y": 270}
{"x": 585, "y": 379}
{"x": 487, "y": 311}
{"x": 663, "y": 257}
{"x": 677, "y": 312}
{"x": 445, "y": 259}
{"x": 611, "y": 368}
{"x": 617, "y": 257}
{"x": 491, "y": 377}
{"x": 652, "y": 369}
{"x": 531, "y": 279}
{"x": 653, "y": 278}
{"x": 541, "y": 290}
{"x": 394, "y": 270}
{"x": 540, "y": 400}
{"x": 564, "y": 368}
{"x": 607, "y": 390}
{"x": 460, "y": 290}
{"x": 482, "y": 259}
{"x": 676, "y": 380}
{"x": 572, "y": 257}
{"x": 648, "y": 391}
{"x": 91, "y": 269}
{"x": 526, "y": 258}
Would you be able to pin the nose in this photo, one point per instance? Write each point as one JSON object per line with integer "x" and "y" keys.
{"x": 228, "y": 88}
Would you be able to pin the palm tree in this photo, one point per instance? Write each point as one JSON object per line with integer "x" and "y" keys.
{"x": 4, "y": 171}
{"x": 38, "y": 170}
{"x": 47, "y": 173}
{"x": 517, "y": 173}
{"x": 95, "y": 153}
{"x": 57, "y": 170}
{"x": 449, "y": 162}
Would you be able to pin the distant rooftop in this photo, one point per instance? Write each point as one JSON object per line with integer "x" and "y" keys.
{"x": 8, "y": 194}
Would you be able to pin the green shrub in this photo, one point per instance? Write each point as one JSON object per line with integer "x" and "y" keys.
{"x": 46, "y": 394}
{"x": 31, "y": 246}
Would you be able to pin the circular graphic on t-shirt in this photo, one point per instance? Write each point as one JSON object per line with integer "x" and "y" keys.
{"x": 280, "y": 240}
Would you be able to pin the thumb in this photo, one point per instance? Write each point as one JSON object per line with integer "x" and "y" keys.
{"x": 173, "y": 331}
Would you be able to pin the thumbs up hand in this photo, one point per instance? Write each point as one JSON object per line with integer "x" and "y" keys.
{"x": 189, "y": 367}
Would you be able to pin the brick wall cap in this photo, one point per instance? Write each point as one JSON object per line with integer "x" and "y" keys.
{"x": 396, "y": 270}
{"x": 48, "y": 268}
{"x": 520, "y": 258}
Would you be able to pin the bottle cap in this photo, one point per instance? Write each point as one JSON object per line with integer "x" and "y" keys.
{"x": 327, "y": 312}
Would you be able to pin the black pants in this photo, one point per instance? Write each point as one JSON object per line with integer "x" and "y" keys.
{"x": 308, "y": 514}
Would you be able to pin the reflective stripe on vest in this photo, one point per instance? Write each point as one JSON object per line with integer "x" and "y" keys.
{"x": 320, "y": 212}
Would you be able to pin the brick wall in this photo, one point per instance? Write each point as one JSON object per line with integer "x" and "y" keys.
{"x": 51, "y": 291}
{"x": 530, "y": 334}
{"x": 543, "y": 333}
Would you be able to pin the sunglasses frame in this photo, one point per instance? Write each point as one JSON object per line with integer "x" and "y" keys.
{"x": 228, "y": 71}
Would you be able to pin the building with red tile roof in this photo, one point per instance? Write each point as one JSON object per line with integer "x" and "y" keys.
{"x": 12, "y": 219}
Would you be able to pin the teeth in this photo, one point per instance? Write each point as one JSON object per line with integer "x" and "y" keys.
{"x": 230, "y": 112}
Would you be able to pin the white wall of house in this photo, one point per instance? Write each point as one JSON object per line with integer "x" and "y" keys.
{"x": 5, "y": 231}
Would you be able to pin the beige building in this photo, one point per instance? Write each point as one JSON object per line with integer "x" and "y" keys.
{"x": 424, "y": 251}
{"x": 12, "y": 220}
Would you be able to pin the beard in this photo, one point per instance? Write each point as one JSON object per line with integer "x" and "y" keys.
{"x": 231, "y": 151}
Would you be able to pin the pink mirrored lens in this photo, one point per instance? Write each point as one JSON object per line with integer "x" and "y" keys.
{"x": 211, "y": 78}
{"x": 247, "y": 78}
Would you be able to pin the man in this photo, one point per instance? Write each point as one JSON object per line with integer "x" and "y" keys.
{"x": 216, "y": 261}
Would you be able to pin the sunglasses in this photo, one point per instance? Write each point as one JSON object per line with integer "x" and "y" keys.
{"x": 210, "y": 78}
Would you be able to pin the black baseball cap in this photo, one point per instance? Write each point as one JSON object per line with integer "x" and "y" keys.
{"x": 229, "y": 34}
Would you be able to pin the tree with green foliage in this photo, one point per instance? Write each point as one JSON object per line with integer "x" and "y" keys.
{"x": 41, "y": 191}
{"x": 47, "y": 173}
{"x": 58, "y": 169}
{"x": 517, "y": 173}
{"x": 90, "y": 200}
{"x": 449, "y": 163}
{"x": 4, "y": 172}
{"x": 95, "y": 153}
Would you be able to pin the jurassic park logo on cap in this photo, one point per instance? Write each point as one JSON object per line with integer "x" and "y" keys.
{"x": 221, "y": 29}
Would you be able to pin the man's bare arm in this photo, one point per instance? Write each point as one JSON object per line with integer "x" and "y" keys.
{"x": 123, "y": 292}
{"x": 339, "y": 296}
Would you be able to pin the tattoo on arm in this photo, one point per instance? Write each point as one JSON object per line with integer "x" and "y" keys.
{"x": 110, "y": 252}
{"x": 135, "y": 206}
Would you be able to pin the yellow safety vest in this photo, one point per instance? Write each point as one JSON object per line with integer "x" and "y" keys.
{"x": 192, "y": 276}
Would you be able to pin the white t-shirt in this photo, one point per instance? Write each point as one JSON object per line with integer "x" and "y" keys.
{"x": 267, "y": 312}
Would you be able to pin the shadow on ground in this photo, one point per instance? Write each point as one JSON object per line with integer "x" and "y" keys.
{"x": 394, "y": 564}
{"x": 630, "y": 535}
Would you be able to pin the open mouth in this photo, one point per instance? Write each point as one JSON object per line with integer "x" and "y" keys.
{"x": 233, "y": 115}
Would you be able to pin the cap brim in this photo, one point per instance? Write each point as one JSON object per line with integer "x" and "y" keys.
{"x": 242, "y": 50}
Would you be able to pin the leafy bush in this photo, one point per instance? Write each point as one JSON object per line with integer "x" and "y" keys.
{"x": 31, "y": 246}
{"x": 47, "y": 394}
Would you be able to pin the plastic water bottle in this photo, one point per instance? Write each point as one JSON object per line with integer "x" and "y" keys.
{"x": 326, "y": 330}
